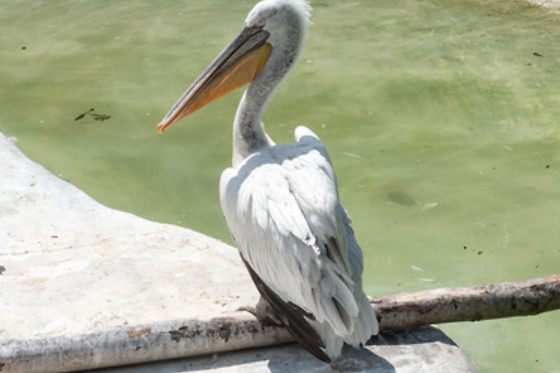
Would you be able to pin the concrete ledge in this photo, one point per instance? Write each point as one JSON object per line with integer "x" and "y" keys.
{"x": 70, "y": 266}
{"x": 417, "y": 350}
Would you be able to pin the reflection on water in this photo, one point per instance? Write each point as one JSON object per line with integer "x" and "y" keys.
{"x": 441, "y": 119}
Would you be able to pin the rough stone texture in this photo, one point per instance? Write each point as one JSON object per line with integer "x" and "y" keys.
{"x": 551, "y": 4}
{"x": 70, "y": 265}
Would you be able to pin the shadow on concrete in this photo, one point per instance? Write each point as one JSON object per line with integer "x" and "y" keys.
{"x": 279, "y": 359}
{"x": 411, "y": 336}
{"x": 352, "y": 360}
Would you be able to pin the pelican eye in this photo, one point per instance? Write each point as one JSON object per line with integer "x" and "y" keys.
{"x": 261, "y": 22}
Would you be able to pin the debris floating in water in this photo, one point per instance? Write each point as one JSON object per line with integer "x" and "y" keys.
{"x": 506, "y": 147}
{"x": 95, "y": 116}
{"x": 353, "y": 155}
{"x": 100, "y": 117}
{"x": 429, "y": 206}
{"x": 84, "y": 114}
{"x": 427, "y": 279}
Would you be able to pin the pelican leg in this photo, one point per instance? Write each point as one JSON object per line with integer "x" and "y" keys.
{"x": 263, "y": 311}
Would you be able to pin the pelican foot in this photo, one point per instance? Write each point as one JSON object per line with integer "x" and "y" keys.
{"x": 249, "y": 309}
{"x": 263, "y": 311}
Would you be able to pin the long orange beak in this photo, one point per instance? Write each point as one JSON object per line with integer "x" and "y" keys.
{"x": 238, "y": 64}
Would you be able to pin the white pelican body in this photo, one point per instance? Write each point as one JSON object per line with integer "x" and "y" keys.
{"x": 281, "y": 201}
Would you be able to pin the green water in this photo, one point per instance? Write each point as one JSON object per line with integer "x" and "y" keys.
{"x": 441, "y": 118}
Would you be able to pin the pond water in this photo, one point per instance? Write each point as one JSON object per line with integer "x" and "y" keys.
{"x": 441, "y": 118}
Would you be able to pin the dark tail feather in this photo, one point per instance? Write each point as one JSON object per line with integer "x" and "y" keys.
{"x": 293, "y": 318}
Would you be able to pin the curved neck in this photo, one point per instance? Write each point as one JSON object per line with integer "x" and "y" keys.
{"x": 249, "y": 135}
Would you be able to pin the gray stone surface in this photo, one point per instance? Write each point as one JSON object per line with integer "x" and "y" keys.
{"x": 551, "y": 4}
{"x": 69, "y": 265}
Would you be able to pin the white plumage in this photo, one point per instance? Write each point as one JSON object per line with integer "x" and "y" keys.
{"x": 281, "y": 201}
{"x": 282, "y": 208}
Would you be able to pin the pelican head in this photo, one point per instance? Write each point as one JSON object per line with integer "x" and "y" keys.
{"x": 281, "y": 18}
{"x": 262, "y": 53}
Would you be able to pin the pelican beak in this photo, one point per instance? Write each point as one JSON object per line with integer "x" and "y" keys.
{"x": 238, "y": 64}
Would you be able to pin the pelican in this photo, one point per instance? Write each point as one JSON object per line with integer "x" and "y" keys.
{"x": 281, "y": 201}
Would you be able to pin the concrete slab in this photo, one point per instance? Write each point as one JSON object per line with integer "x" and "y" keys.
{"x": 70, "y": 266}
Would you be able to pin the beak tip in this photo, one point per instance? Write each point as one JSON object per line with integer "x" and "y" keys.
{"x": 160, "y": 128}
